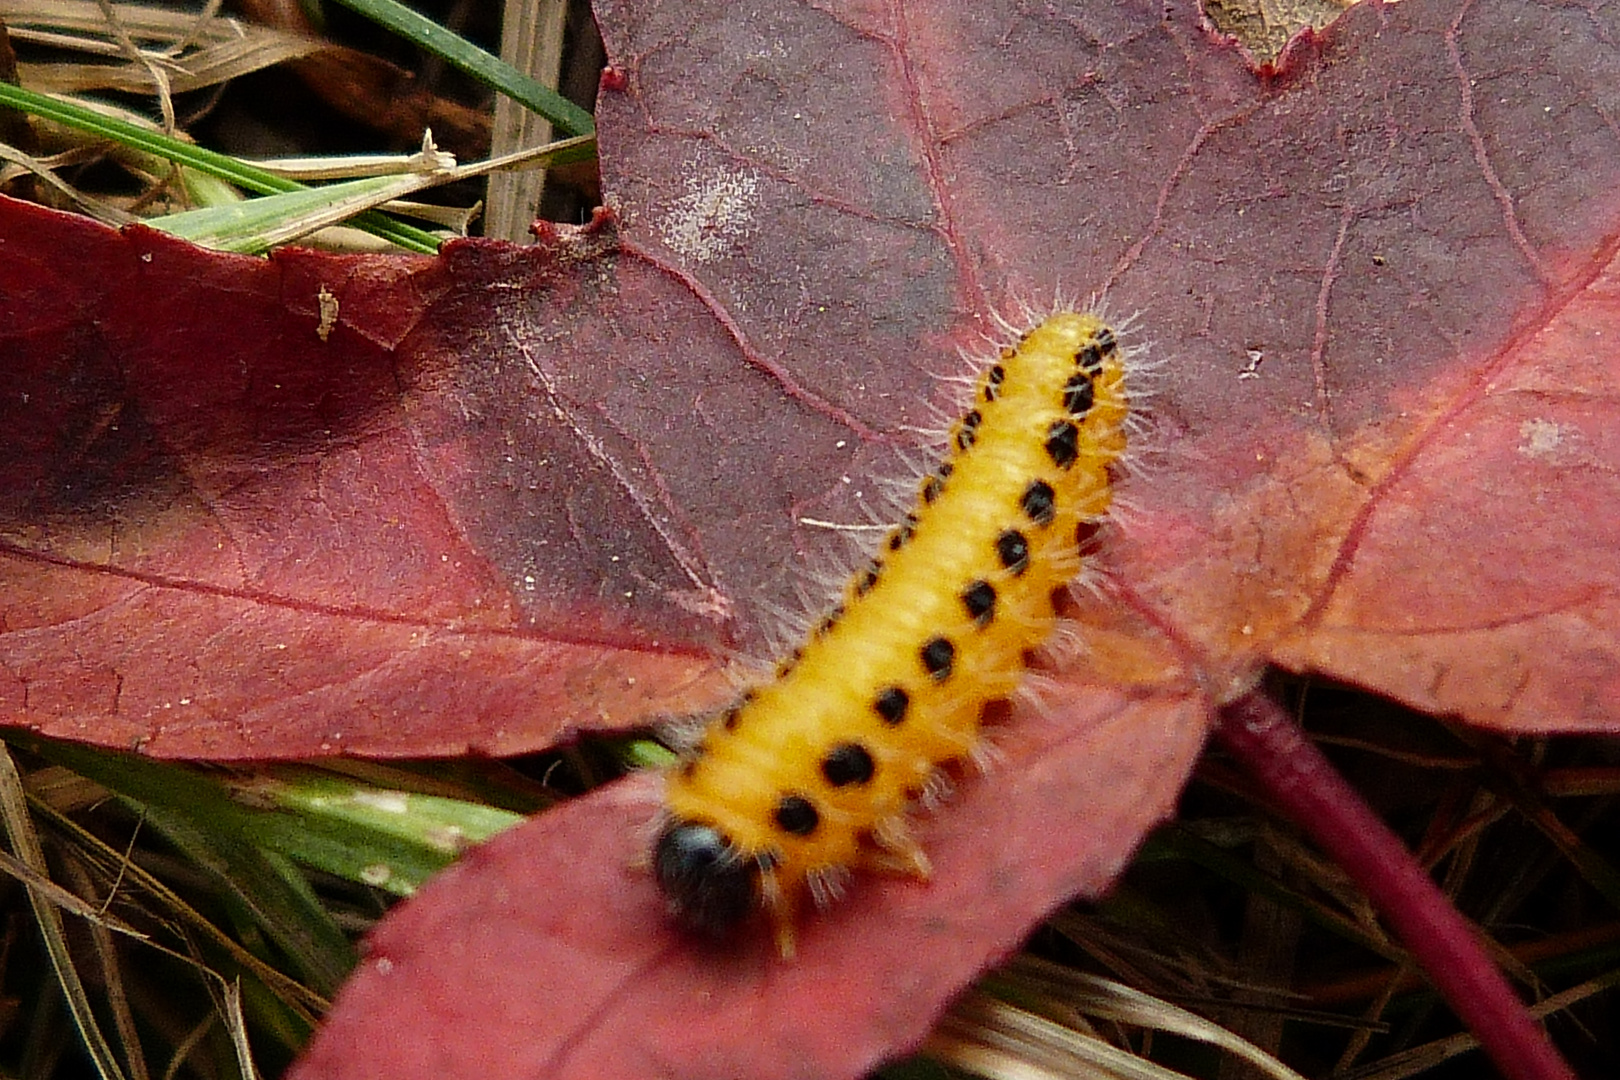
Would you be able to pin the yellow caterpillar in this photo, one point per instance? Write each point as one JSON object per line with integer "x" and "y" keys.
{"x": 813, "y": 773}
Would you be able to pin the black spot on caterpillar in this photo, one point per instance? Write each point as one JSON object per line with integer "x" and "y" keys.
{"x": 814, "y": 773}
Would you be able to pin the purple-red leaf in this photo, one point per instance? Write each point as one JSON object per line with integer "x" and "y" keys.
{"x": 235, "y": 526}
{"x": 517, "y": 492}
{"x": 545, "y": 952}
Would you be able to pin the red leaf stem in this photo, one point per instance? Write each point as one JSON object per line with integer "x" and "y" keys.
{"x": 1259, "y": 733}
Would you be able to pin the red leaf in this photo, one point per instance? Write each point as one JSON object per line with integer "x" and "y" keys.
{"x": 1340, "y": 235}
{"x": 226, "y": 536}
{"x": 1478, "y": 576}
{"x": 546, "y": 953}
{"x": 1378, "y": 284}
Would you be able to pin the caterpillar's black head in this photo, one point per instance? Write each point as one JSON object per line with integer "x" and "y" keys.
{"x": 711, "y": 886}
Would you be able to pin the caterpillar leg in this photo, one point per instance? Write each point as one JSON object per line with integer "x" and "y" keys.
{"x": 786, "y": 943}
{"x": 779, "y": 904}
{"x": 897, "y": 851}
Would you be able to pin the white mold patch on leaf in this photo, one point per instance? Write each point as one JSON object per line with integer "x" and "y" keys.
{"x": 717, "y": 212}
{"x": 1545, "y": 439}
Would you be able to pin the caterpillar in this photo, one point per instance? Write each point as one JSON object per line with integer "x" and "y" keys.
{"x": 815, "y": 772}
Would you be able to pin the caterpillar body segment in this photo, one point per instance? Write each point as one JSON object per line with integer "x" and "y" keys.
{"x": 816, "y": 772}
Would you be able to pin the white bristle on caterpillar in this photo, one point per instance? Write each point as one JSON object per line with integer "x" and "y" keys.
{"x": 815, "y": 771}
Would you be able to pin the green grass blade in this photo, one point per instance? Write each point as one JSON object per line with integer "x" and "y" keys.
{"x": 295, "y": 999}
{"x": 374, "y": 836}
{"x": 567, "y": 117}
{"x": 206, "y": 161}
{"x": 253, "y": 226}
{"x": 273, "y": 893}
{"x": 408, "y": 836}
{"x": 199, "y": 816}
